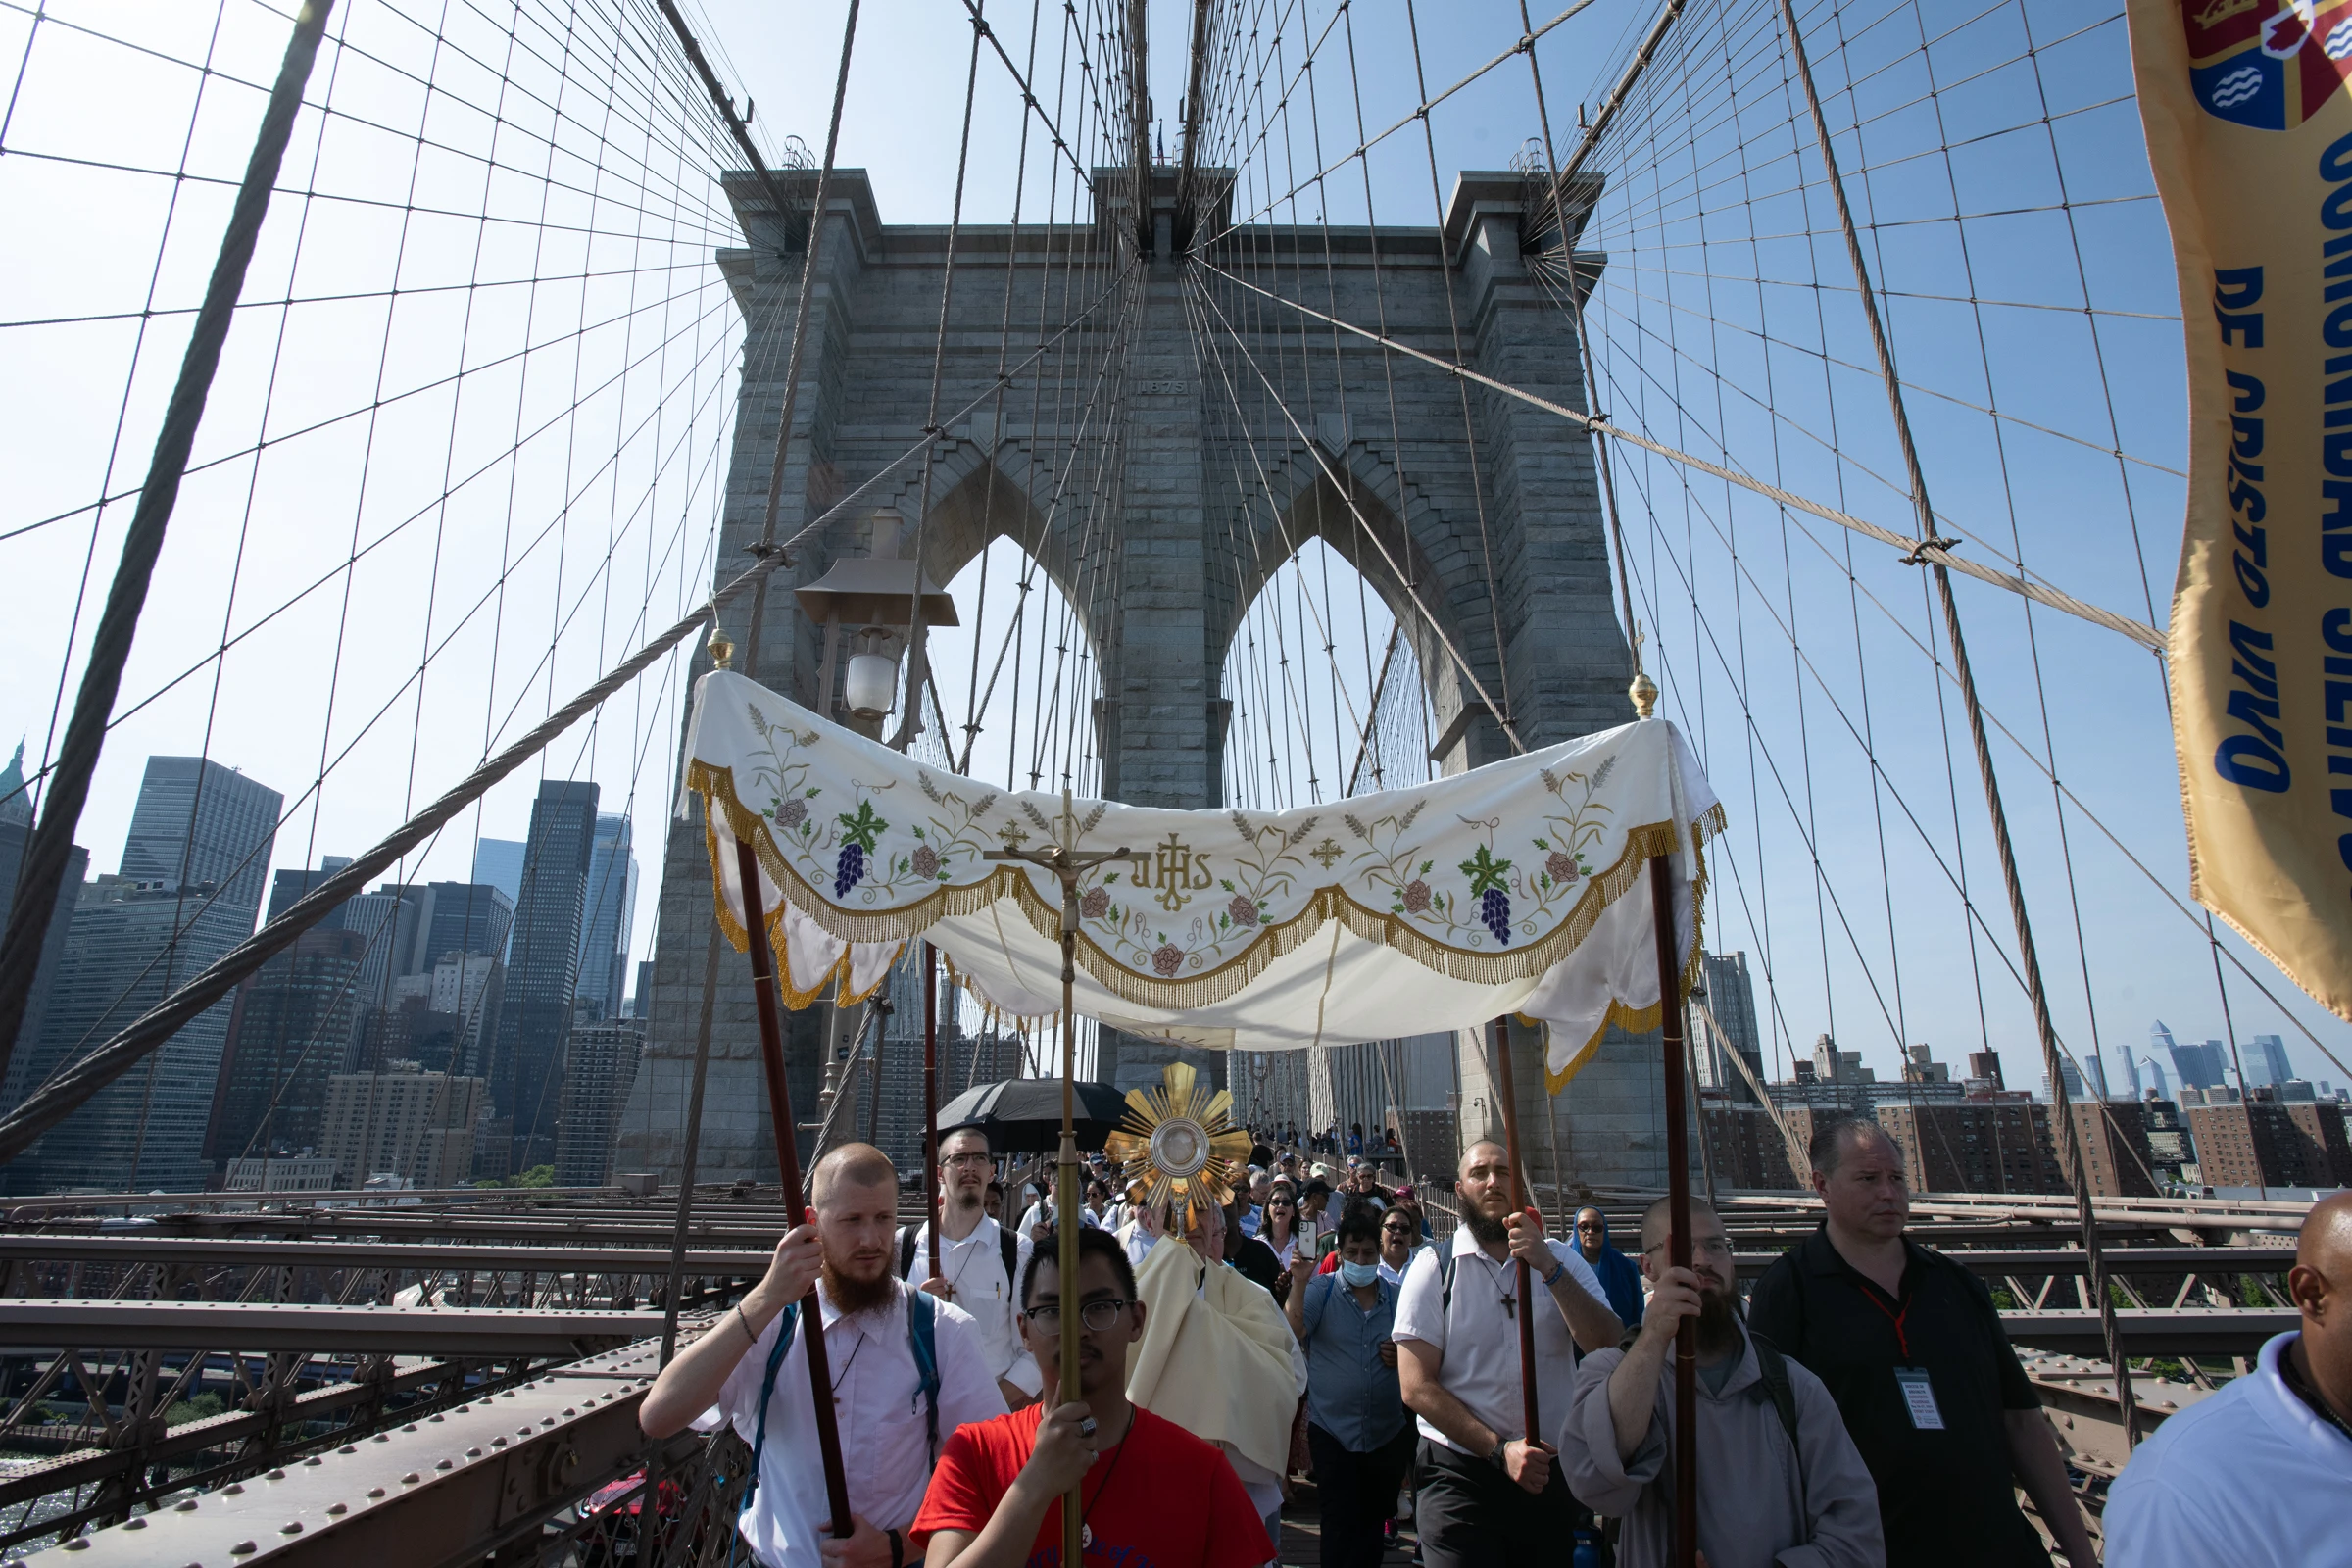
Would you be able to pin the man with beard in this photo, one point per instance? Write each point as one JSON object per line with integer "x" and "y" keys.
{"x": 1780, "y": 1481}
{"x": 1489, "y": 1492}
{"x": 908, "y": 1370}
{"x": 1148, "y": 1491}
{"x": 1908, "y": 1343}
{"x": 979, "y": 1261}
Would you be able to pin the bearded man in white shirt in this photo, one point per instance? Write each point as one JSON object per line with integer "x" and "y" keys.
{"x": 893, "y": 1412}
{"x": 980, "y": 1263}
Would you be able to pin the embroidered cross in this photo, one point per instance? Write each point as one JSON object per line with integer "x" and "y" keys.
{"x": 1328, "y": 852}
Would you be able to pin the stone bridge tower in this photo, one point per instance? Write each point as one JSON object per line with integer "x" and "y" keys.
{"x": 1242, "y": 430}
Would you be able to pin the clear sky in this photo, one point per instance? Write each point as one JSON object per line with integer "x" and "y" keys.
{"x": 2038, "y": 337}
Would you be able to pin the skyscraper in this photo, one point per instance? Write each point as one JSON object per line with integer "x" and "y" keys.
{"x": 535, "y": 1015}
{"x": 16, "y": 834}
{"x": 288, "y": 887}
{"x": 462, "y": 918}
{"x": 2264, "y": 1059}
{"x": 1730, "y": 998}
{"x": 134, "y": 939}
{"x": 288, "y": 1035}
{"x": 2155, "y": 1077}
{"x": 499, "y": 863}
{"x": 197, "y": 822}
{"x": 611, "y": 910}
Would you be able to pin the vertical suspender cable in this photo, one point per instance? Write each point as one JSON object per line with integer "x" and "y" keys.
{"x": 109, "y": 649}
{"x": 2061, "y": 1112}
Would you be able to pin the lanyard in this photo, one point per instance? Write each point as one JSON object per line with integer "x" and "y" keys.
{"x": 1901, "y": 1339}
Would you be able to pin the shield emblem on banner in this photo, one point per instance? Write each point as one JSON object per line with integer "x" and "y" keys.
{"x": 2268, "y": 63}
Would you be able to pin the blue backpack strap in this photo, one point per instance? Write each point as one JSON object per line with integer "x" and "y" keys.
{"x": 922, "y": 1334}
{"x": 767, "y": 1390}
{"x": 1445, "y": 1277}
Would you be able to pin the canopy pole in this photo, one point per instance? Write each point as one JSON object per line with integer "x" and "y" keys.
{"x": 1527, "y": 1305}
{"x": 1067, "y": 865}
{"x": 788, "y": 1165}
{"x": 931, "y": 1102}
{"x": 1678, "y": 1193}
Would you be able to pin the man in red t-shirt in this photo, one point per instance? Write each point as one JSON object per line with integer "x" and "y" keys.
{"x": 1151, "y": 1495}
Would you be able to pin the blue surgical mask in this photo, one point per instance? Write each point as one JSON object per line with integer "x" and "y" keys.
{"x": 1360, "y": 1275}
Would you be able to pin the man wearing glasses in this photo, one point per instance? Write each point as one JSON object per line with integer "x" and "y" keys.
{"x": 1148, "y": 1490}
{"x": 1784, "y": 1483}
{"x": 979, "y": 1260}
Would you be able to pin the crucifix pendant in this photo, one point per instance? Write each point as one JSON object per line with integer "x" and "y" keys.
{"x": 1510, "y": 1308}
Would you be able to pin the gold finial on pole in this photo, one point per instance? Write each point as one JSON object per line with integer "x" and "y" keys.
{"x": 721, "y": 646}
{"x": 1644, "y": 691}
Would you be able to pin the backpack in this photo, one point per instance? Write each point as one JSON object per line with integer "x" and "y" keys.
{"x": 1008, "y": 1248}
{"x": 923, "y": 1337}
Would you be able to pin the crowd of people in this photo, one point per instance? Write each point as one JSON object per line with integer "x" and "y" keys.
{"x": 1862, "y": 1406}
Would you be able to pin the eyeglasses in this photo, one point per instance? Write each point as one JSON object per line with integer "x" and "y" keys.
{"x": 1096, "y": 1315}
{"x": 964, "y": 1159}
{"x": 1712, "y": 1246}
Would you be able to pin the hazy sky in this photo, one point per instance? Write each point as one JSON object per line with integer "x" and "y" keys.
{"x": 538, "y": 571}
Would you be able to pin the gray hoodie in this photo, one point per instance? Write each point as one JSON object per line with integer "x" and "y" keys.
{"x": 1757, "y": 1507}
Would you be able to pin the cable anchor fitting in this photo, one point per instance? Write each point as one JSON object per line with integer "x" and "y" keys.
{"x": 1918, "y": 557}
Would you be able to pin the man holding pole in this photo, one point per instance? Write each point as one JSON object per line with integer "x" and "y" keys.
{"x": 979, "y": 1261}
{"x": 907, "y": 1370}
{"x": 1489, "y": 1492}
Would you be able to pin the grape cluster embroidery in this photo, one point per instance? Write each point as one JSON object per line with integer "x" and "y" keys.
{"x": 1485, "y": 874}
{"x": 859, "y": 835}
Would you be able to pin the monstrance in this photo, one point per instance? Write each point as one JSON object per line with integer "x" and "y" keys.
{"x": 1179, "y": 1144}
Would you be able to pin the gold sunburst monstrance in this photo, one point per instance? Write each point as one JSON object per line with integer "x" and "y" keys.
{"x": 1178, "y": 1142}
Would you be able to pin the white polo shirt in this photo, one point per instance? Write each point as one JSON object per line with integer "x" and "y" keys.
{"x": 2252, "y": 1477}
{"x": 975, "y": 1266}
{"x": 884, "y": 1437}
{"x": 1477, "y": 1340}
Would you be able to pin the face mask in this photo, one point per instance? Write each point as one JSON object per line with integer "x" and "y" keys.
{"x": 1360, "y": 1275}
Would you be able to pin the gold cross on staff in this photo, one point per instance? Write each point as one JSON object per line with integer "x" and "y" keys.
{"x": 1068, "y": 864}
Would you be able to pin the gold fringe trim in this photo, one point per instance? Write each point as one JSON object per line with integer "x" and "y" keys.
{"x": 1644, "y": 842}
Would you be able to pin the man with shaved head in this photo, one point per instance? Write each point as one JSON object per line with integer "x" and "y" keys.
{"x": 908, "y": 1369}
{"x": 1489, "y": 1491}
{"x": 2254, "y": 1477}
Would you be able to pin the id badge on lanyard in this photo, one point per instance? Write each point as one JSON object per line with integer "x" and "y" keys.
{"x": 1919, "y": 1398}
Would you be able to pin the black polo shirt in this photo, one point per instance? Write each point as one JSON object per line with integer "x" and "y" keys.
{"x": 1944, "y": 1497}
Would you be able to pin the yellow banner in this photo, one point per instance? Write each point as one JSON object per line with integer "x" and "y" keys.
{"x": 2250, "y": 133}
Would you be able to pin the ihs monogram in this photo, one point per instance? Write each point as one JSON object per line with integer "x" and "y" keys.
{"x": 1175, "y": 870}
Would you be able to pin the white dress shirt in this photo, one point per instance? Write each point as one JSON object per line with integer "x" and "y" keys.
{"x": 885, "y": 1444}
{"x": 1477, "y": 1341}
{"x": 2251, "y": 1477}
{"x": 975, "y": 1266}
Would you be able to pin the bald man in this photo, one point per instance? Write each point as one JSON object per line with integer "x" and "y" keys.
{"x": 892, "y": 1417}
{"x": 2254, "y": 1477}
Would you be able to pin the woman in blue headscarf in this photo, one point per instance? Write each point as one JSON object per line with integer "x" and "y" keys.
{"x": 1619, "y": 1278}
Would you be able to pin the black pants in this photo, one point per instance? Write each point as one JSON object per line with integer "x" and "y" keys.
{"x": 1358, "y": 1492}
{"x": 1469, "y": 1514}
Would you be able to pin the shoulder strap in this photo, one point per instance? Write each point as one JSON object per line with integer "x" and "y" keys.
{"x": 907, "y": 1249}
{"x": 922, "y": 1334}
{"x": 791, "y": 1316}
{"x": 1008, "y": 1247}
{"x": 1445, "y": 1277}
{"x": 1773, "y": 1368}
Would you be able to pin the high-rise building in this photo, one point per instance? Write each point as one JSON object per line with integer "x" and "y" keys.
{"x": 526, "y": 1070}
{"x": 198, "y": 821}
{"x": 611, "y": 910}
{"x": 16, "y": 836}
{"x": 2265, "y": 1144}
{"x": 1975, "y": 1146}
{"x": 1730, "y": 998}
{"x": 461, "y": 918}
{"x": 1984, "y": 1068}
{"x": 2154, "y": 1071}
{"x": 132, "y": 940}
{"x": 2199, "y": 1064}
{"x": 2072, "y": 1078}
{"x": 2264, "y": 1057}
{"x": 600, "y": 1065}
{"x": 499, "y": 863}
{"x": 403, "y": 1121}
{"x": 1920, "y": 1066}
{"x": 2095, "y": 1072}
{"x": 288, "y": 887}
{"x": 641, "y": 1000}
{"x": 287, "y": 1036}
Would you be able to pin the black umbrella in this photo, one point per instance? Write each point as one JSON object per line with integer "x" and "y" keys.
{"x": 1024, "y": 1115}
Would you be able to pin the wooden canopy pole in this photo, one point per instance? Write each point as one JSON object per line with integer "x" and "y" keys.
{"x": 931, "y": 1101}
{"x": 1067, "y": 865}
{"x": 1678, "y": 1194}
{"x": 788, "y": 1165}
{"x": 1527, "y": 1305}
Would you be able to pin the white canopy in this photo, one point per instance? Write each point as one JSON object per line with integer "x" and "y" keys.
{"x": 1520, "y": 887}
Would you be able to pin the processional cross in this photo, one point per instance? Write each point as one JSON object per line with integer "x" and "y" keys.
{"x": 1067, "y": 863}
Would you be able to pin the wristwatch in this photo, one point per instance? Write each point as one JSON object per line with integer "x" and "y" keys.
{"x": 1495, "y": 1457}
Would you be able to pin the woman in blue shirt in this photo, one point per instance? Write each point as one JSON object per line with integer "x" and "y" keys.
{"x": 1356, "y": 1429}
